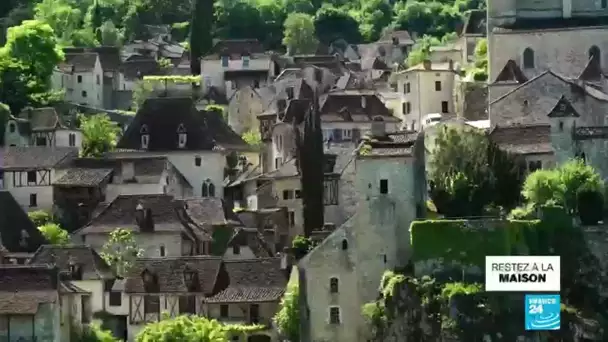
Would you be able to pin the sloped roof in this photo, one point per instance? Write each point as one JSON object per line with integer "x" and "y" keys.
{"x": 34, "y": 157}
{"x": 523, "y": 139}
{"x": 206, "y": 211}
{"x": 42, "y": 119}
{"x": 93, "y": 267}
{"x": 169, "y": 273}
{"x": 390, "y": 145}
{"x": 163, "y": 117}
{"x": 135, "y": 69}
{"x": 24, "y": 287}
{"x": 79, "y": 62}
{"x": 511, "y": 73}
{"x": 17, "y": 232}
{"x": 403, "y": 36}
{"x": 252, "y": 280}
{"x": 361, "y": 106}
{"x": 81, "y": 177}
{"x": 252, "y": 238}
{"x": 592, "y": 72}
{"x": 563, "y": 108}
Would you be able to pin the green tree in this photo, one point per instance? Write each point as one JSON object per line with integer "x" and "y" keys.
{"x": 332, "y": 23}
{"x": 121, "y": 251}
{"x": 287, "y": 318}
{"x": 40, "y": 217}
{"x": 299, "y": 35}
{"x": 99, "y": 134}
{"x": 54, "y": 234}
{"x": 33, "y": 44}
{"x": 109, "y": 34}
{"x": 253, "y": 138}
{"x": 141, "y": 91}
{"x": 5, "y": 112}
{"x": 301, "y": 246}
{"x": 191, "y": 329}
{"x": 200, "y": 34}
{"x": 421, "y": 50}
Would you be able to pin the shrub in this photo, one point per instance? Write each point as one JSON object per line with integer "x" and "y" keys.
{"x": 287, "y": 318}
{"x": 91, "y": 333}
{"x": 40, "y": 217}
{"x": 590, "y": 204}
{"x": 54, "y": 234}
{"x": 301, "y": 246}
{"x": 525, "y": 212}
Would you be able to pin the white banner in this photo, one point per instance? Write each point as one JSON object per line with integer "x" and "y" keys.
{"x": 522, "y": 273}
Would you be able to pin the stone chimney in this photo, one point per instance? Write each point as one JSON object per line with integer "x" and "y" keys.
{"x": 427, "y": 64}
{"x": 378, "y": 127}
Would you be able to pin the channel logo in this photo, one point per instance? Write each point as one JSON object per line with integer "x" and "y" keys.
{"x": 542, "y": 312}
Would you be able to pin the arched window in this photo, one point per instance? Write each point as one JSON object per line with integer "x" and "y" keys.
{"x": 528, "y": 58}
{"x": 211, "y": 190}
{"x": 208, "y": 189}
{"x": 333, "y": 285}
{"x": 162, "y": 251}
{"x": 205, "y": 190}
{"x": 594, "y": 52}
{"x": 344, "y": 245}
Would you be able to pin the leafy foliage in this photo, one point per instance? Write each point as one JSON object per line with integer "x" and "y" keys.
{"x": 590, "y": 204}
{"x": 287, "y": 318}
{"x": 191, "y": 329}
{"x": 299, "y": 35}
{"x": 90, "y": 333}
{"x": 301, "y": 246}
{"x": 468, "y": 173}
{"x": 121, "y": 250}
{"x": 141, "y": 92}
{"x": 253, "y": 138}
{"x": 99, "y": 134}
{"x": 54, "y": 234}
{"x": 40, "y": 217}
{"x": 5, "y": 112}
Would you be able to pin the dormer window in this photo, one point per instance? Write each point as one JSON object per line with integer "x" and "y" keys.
{"x": 182, "y": 136}
{"x": 245, "y": 61}
{"x": 225, "y": 60}
{"x": 145, "y": 136}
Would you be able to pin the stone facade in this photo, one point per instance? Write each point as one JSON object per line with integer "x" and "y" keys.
{"x": 243, "y": 109}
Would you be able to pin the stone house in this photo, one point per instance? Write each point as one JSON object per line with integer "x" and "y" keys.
{"x": 162, "y": 225}
{"x": 427, "y": 88}
{"x": 195, "y": 142}
{"x": 243, "y": 109}
{"x": 19, "y": 238}
{"x": 445, "y": 53}
{"x": 83, "y": 268}
{"x": 247, "y": 243}
{"x": 41, "y": 127}
{"x": 392, "y": 48}
{"x": 473, "y": 30}
{"x": 243, "y": 291}
{"x": 81, "y": 76}
{"x": 28, "y": 173}
{"x": 272, "y": 223}
{"x": 532, "y": 142}
{"x": 343, "y": 272}
{"x": 32, "y": 298}
{"x": 533, "y": 36}
{"x": 234, "y": 63}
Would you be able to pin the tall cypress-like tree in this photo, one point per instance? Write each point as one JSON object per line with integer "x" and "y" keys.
{"x": 311, "y": 164}
{"x": 200, "y": 33}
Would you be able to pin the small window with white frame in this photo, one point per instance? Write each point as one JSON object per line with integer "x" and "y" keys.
{"x": 335, "y": 315}
{"x": 347, "y": 134}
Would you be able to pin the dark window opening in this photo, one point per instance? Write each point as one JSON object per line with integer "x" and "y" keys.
{"x": 79, "y": 79}
{"x": 561, "y": 126}
{"x": 344, "y": 245}
{"x": 197, "y": 161}
{"x": 40, "y": 141}
{"x": 84, "y": 93}
{"x": 162, "y": 251}
{"x": 224, "y": 311}
{"x": 12, "y": 128}
{"x": 211, "y": 190}
{"x": 535, "y": 165}
{"x": 85, "y": 307}
{"x": 444, "y": 107}
{"x": 33, "y": 200}
{"x": 384, "y": 186}
{"x": 528, "y": 58}
{"x": 333, "y": 285}
{"x": 334, "y": 315}
{"x": 254, "y": 313}
{"x": 438, "y": 85}
{"x": 115, "y": 298}
{"x": 298, "y": 194}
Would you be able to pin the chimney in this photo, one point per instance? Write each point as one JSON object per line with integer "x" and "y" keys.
{"x": 426, "y": 64}
{"x": 378, "y": 127}
{"x": 451, "y": 65}
{"x": 281, "y": 105}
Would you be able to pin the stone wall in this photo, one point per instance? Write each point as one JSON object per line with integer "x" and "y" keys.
{"x": 471, "y": 100}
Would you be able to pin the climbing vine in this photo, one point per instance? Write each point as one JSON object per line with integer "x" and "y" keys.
{"x": 174, "y": 79}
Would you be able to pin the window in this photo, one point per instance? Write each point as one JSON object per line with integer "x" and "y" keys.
{"x": 12, "y": 127}
{"x": 98, "y": 80}
{"x": 278, "y": 162}
{"x": 245, "y": 61}
{"x": 254, "y": 313}
{"x": 40, "y": 141}
{"x": 413, "y": 125}
{"x": 444, "y": 107}
{"x": 211, "y": 190}
{"x": 85, "y": 305}
{"x": 31, "y": 177}
{"x": 187, "y": 305}
{"x": 384, "y": 186}
{"x": 84, "y": 93}
{"x": 224, "y": 311}
{"x": 208, "y": 189}
{"x": 297, "y": 193}
{"x": 347, "y": 134}
{"x": 151, "y": 305}
{"x": 407, "y": 88}
{"x": 182, "y": 140}
{"x": 197, "y": 161}
{"x": 535, "y": 165}
{"x": 225, "y": 60}
{"x": 205, "y": 190}
{"x": 437, "y": 85}
{"x": 1, "y": 179}
{"x": 408, "y": 108}
{"x": 528, "y": 58}
{"x": 333, "y": 285}
{"x": 161, "y": 251}
{"x": 334, "y": 315}
{"x": 561, "y": 126}
{"x": 72, "y": 139}
{"x": 344, "y": 244}
{"x": 33, "y": 200}
{"x": 79, "y": 78}
{"x": 145, "y": 140}
{"x": 292, "y": 218}
{"x": 287, "y": 194}
{"x": 236, "y": 249}
{"x": 115, "y": 298}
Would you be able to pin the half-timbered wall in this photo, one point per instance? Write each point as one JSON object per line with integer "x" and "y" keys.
{"x": 145, "y": 308}
{"x": 46, "y": 138}
{"x": 31, "y": 188}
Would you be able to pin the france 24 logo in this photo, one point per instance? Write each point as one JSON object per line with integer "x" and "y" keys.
{"x": 542, "y": 312}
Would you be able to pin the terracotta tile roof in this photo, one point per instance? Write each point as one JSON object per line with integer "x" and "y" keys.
{"x": 524, "y": 139}
{"x": 34, "y": 157}
{"x": 13, "y": 223}
{"x": 163, "y": 117}
{"x": 93, "y": 267}
{"x": 169, "y": 273}
{"x": 79, "y": 62}
{"x": 79, "y": 177}
{"x": 252, "y": 238}
{"x": 252, "y": 280}
{"x": 511, "y": 73}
